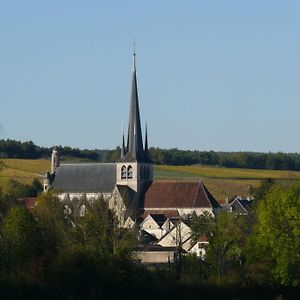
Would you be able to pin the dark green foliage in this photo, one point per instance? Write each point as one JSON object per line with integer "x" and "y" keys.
{"x": 224, "y": 253}
{"x": 19, "y": 242}
{"x": 201, "y": 225}
{"x": 98, "y": 231}
{"x": 249, "y": 160}
{"x": 52, "y": 222}
{"x": 273, "y": 248}
{"x": 14, "y": 190}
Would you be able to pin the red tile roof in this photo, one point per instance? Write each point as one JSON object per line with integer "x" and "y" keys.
{"x": 29, "y": 202}
{"x": 202, "y": 238}
{"x": 178, "y": 194}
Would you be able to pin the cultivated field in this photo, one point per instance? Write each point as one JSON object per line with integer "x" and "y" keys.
{"x": 221, "y": 182}
{"x": 24, "y": 170}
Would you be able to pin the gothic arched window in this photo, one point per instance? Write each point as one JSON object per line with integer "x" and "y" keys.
{"x": 129, "y": 172}
{"x": 123, "y": 172}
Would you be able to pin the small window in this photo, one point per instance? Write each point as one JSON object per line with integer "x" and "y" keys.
{"x": 129, "y": 172}
{"x": 82, "y": 211}
{"x": 123, "y": 172}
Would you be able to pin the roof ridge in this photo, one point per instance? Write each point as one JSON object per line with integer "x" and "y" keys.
{"x": 175, "y": 181}
{"x": 205, "y": 192}
{"x": 238, "y": 200}
{"x": 87, "y": 164}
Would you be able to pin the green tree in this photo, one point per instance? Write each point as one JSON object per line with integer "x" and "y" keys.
{"x": 273, "y": 248}
{"x": 202, "y": 225}
{"x": 52, "y": 221}
{"x": 19, "y": 240}
{"x": 98, "y": 231}
{"x": 224, "y": 252}
{"x": 259, "y": 193}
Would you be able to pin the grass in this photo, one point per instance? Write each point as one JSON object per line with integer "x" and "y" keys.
{"x": 24, "y": 170}
{"x": 221, "y": 182}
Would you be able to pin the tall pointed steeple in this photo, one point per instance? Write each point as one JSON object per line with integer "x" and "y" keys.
{"x": 134, "y": 168}
{"x": 135, "y": 149}
{"x": 146, "y": 142}
{"x": 123, "y": 144}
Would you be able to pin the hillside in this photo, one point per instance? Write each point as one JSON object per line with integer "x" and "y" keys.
{"x": 23, "y": 170}
{"x": 222, "y": 182}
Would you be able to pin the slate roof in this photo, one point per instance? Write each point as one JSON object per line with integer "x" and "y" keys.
{"x": 178, "y": 194}
{"x": 147, "y": 238}
{"x": 155, "y": 248}
{"x": 85, "y": 178}
{"x": 240, "y": 205}
{"x": 159, "y": 218}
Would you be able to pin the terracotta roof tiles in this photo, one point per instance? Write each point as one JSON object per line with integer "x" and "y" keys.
{"x": 178, "y": 194}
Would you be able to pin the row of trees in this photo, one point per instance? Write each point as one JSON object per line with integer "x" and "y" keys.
{"x": 251, "y": 160}
{"x": 28, "y": 150}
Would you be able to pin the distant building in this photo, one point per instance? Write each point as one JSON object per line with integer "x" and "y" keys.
{"x": 238, "y": 205}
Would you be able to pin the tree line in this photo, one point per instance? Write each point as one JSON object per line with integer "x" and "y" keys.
{"x": 251, "y": 160}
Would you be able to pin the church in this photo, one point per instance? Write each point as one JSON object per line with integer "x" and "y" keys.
{"x": 127, "y": 185}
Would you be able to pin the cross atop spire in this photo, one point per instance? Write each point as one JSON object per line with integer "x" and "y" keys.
{"x": 134, "y": 54}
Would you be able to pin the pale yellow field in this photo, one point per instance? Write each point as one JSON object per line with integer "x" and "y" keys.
{"x": 218, "y": 172}
{"x": 24, "y": 170}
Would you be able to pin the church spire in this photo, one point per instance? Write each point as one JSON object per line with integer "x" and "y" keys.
{"x": 123, "y": 151}
{"x": 135, "y": 141}
{"x": 146, "y": 141}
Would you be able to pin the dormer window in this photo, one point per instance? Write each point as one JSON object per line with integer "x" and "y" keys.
{"x": 129, "y": 172}
{"x": 123, "y": 172}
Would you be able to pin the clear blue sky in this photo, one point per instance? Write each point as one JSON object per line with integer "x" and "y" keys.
{"x": 213, "y": 75}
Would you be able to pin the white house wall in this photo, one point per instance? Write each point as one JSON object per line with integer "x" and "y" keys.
{"x": 199, "y": 249}
{"x": 149, "y": 225}
{"x": 180, "y": 232}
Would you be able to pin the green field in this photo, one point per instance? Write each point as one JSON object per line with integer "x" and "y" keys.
{"x": 222, "y": 182}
